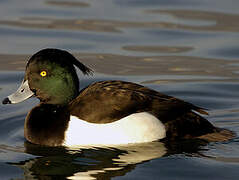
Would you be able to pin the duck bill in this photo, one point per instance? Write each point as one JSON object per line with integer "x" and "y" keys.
{"x": 23, "y": 93}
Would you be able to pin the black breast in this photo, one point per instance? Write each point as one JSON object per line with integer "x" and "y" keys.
{"x": 45, "y": 124}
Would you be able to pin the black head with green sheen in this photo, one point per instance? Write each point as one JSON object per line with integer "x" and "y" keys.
{"x": 50, "y": 76}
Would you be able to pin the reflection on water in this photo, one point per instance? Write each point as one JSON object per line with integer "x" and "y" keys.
{"x": 204, "y": 68}
{"x": 94, "y": 162}
{"x": 218, "y": 21}
{"x": 68, "y": 3}
{"x": 102, "y": 162}
{"x": 162, "y": 49}
{"x": 86, "y": 163}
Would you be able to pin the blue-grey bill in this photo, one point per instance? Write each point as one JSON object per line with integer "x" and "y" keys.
{"x": 23, "y": 93}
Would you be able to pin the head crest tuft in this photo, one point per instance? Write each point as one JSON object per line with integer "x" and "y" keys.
{"x": 62, "y": 57}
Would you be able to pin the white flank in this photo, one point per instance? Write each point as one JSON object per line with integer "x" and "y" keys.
{"x": 135, "y": 128}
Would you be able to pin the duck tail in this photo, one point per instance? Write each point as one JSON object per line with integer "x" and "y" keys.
{"x": 219, "y": 135}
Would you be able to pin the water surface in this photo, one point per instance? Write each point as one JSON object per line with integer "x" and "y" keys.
{"x": 187, "y": 49}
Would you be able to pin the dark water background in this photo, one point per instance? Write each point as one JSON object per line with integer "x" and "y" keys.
{"x": 185, "y": 48}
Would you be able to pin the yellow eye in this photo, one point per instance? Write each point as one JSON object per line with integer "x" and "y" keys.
{"x": 43, "y": 73}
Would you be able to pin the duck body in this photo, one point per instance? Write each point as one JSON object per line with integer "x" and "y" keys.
{"x": 115, "y": 112}
{"x": 105, "y": 112}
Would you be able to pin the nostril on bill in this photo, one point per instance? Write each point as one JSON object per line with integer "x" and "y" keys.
{"x": 6, "y": 101}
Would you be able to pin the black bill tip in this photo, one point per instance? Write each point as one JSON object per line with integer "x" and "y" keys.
{"x": 6, "y": 101}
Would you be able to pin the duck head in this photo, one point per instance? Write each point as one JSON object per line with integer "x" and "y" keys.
{"x": 51, "y": 77}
